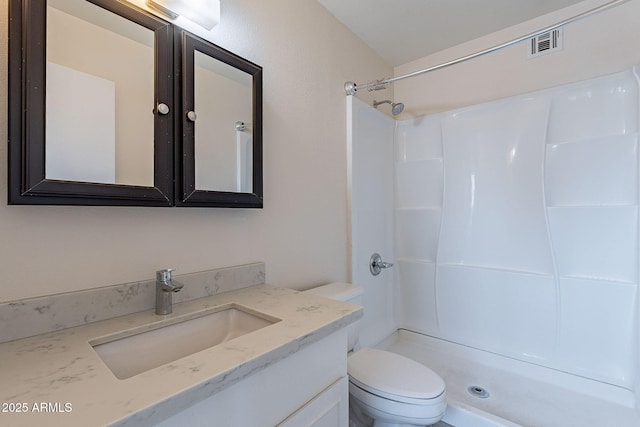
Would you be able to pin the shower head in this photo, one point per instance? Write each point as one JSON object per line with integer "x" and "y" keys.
{"x": 396, "y": 107}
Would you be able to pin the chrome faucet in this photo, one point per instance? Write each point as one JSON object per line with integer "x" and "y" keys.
{"x": 165, "y": 287}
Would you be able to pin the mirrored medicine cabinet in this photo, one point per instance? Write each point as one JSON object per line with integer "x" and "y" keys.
{"x": 111, "y": 105}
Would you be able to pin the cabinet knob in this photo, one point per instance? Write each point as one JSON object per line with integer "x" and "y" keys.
{"x": 191, "y": 115}
{"x": 163, "y": 108}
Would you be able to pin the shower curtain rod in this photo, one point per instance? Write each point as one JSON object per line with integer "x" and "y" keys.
{"x": 351, "y": 88}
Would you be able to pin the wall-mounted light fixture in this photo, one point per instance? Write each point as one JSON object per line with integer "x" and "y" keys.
{"x": 205, "y": 13}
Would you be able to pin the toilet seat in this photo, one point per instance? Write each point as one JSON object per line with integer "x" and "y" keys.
{"x": 394, "y": 377}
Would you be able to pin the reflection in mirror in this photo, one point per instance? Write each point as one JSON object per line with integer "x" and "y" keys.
{"x": 223, "y": 149}
{"x": 99, "y": 114}
{"x": 244, "y": 140}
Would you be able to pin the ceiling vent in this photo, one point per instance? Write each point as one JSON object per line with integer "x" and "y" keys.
{"x": 545, "y": 43}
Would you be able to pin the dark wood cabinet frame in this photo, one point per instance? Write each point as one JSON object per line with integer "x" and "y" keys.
{"x": 27, "y": 90}
{"x": 185, "y": 149}
{"x": 173, "y": 136}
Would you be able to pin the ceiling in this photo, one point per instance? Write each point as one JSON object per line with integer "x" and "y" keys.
{"x": 403, "y": 30}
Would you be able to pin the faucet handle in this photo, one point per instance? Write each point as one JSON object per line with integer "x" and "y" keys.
{"x": 164, "y": 275}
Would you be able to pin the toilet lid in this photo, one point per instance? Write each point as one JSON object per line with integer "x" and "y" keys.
{"x": 386, "y": 373}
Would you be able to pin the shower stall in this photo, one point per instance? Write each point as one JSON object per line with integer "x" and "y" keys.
{"x": 513, "y": 226}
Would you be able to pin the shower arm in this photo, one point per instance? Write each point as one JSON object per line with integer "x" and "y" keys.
{"x": 386, "y": 101}
{"x": 351, "y": 88}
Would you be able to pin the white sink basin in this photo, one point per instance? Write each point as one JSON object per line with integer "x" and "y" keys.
{"x": 134, "y": 351}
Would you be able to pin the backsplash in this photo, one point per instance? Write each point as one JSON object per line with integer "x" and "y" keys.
{"x": 40, "y": 315}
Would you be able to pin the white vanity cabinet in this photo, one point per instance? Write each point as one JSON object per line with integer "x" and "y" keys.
{"x": 328, "y": 409}
{"x": 306, "y": 388}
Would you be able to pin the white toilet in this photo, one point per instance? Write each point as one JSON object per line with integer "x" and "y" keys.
{"x": 386, "y": 389}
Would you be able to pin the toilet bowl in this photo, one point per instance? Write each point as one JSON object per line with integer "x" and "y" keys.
{"x": 386, "y": 389}
{"x": 393, "y": 390}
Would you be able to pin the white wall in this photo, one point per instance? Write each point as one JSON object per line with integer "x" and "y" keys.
{"x": 301, "y": 233}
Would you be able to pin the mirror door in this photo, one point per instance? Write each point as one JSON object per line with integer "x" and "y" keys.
{"x": 90, "y": 90}
{"x": 221, "y": 122}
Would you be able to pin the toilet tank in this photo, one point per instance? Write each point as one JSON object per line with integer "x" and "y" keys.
{"x": 345, "y": 292}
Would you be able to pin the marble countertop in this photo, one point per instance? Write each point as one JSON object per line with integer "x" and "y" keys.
{"x": 58, "y": 379}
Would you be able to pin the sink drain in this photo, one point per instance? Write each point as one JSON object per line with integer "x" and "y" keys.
{"x": 477, "y": 391}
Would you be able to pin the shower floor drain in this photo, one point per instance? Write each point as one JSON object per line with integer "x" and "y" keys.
{"x": 477, "y": 391}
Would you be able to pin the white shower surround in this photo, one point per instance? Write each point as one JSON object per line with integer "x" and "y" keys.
{"x": 516, "y": 234}
{"x": 517, "y": 227}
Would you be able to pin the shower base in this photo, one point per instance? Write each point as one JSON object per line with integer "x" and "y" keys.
{"x": 489, "y": 390}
